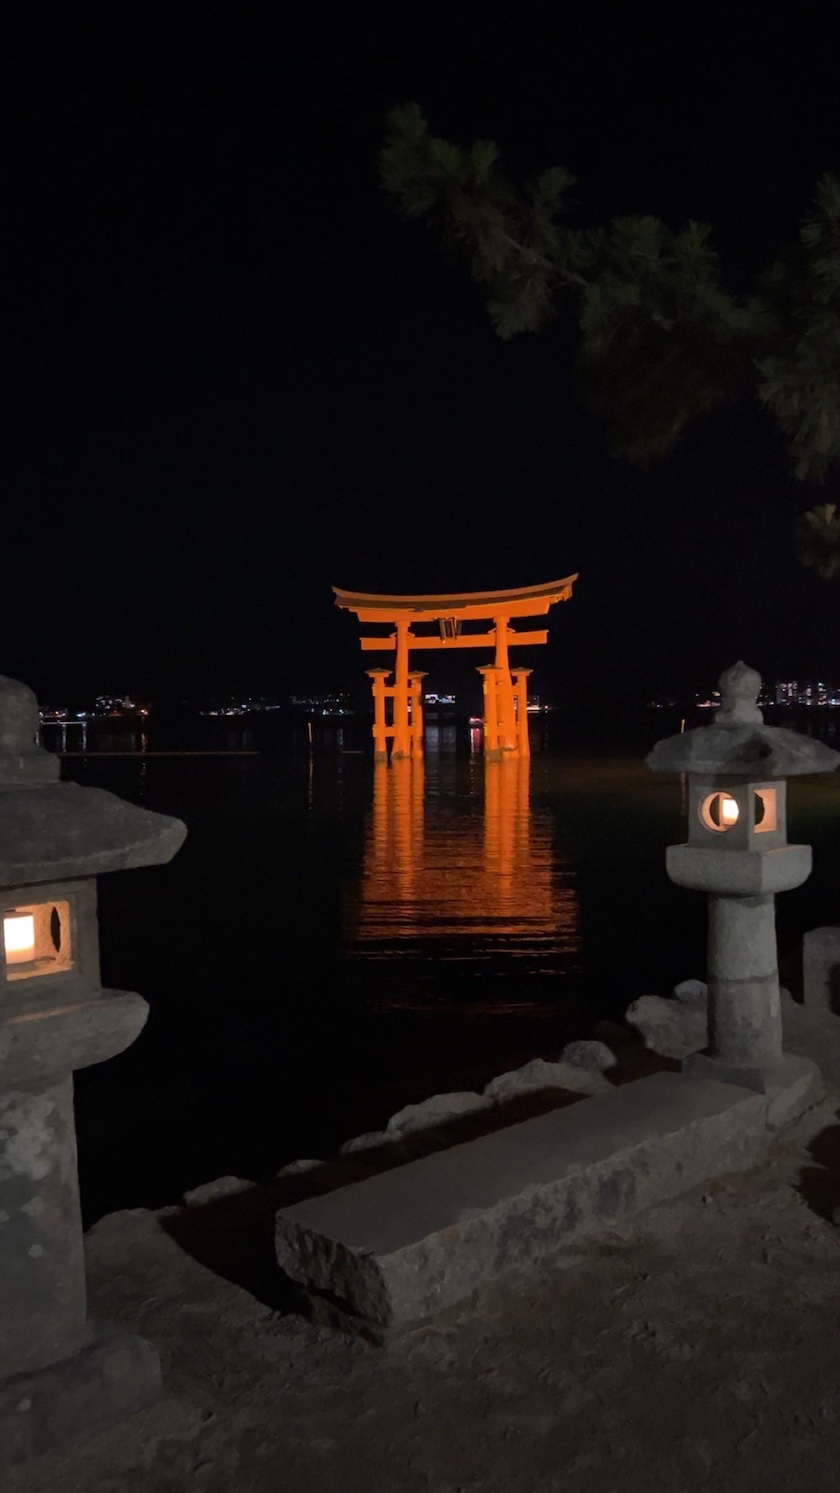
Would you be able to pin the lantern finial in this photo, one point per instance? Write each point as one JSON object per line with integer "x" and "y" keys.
{"x": 22, "y": 761}
{"x": 739, "y": 687}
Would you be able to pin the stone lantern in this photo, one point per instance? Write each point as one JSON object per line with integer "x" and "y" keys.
{"x": 737, "y": 852}
{"x": 59, "y": 1372}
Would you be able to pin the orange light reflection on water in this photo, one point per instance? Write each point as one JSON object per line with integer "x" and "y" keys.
{"x": 473, "y": 879}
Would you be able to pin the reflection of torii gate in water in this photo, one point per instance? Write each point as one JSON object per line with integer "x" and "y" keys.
{"x": 505, "y": 689}
{"x": 466, "y": 885}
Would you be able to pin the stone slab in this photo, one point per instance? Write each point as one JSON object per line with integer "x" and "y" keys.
{"x": 744, "y": 873}
{"x": 36, "y": 1046}
{"x": 791, "y": 1085}
{"x": 821, "y": 969}
{"x": 113, "y": 1375}
{"x": 409, "y": 1242}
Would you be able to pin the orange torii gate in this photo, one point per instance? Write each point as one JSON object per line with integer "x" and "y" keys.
{"x": 505, "y": 689}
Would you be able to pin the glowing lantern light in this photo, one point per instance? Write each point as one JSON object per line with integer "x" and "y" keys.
{"x": 37, "y": 939}
{"x": 719, "y": 811}
{"x": 19, "y": 937}
{"x": 728, "y": 810}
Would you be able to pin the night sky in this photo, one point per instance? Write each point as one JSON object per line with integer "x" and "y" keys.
{"x": 237, "y": 378}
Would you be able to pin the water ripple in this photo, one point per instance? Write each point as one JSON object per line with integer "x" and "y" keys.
{"x": 469, "y": 880}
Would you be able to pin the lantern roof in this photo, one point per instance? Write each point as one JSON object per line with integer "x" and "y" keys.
{"x": 52, "y": 831}
{"x": 738, "y": 743}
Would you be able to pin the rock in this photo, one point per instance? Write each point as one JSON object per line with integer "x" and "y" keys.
{"x": 593, "y": 1056}
{"x": 821, "y": 969}
{"x": 672, "y": 1028}
{"x": 800, "y": 1088}
{"x": 368, "y": 1142}
{"x": 539, "y": 1074}
{"x": 127, "y": 1222}
{"x": 431, "y": 1112}
{"x": 210, "y": 1192}
{"x": 295, "y": 1168}
{"x": 613, "y": 1034}
{"x": 691, "y": 990}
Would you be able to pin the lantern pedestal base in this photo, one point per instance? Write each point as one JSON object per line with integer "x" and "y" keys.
{"x": 792, "y": 1084}
{"x": 113, "y": 1375}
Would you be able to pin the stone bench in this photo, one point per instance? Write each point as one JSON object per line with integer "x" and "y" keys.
{"x": 411, "y": 1241}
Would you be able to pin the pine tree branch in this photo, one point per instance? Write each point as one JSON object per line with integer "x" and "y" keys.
{"x": 568, "y": 277}
{"x": 661, "y": 338}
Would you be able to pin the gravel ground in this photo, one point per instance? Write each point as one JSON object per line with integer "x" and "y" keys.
{"x": 697, "y": 1348}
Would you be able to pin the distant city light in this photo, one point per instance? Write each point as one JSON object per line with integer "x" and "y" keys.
{"x": 104, "y": 707}
{"x": 785, "y": 694}
{"x": 811, "y": 692}
{"x": 816, "y": 694}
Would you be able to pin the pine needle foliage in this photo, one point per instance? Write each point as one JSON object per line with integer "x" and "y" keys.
{"x": 818, "y": 540}
{"x": 661, "y": 338}
{"x": 799, "y": 379}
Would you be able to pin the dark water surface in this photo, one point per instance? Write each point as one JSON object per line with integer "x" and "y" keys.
{"x": 336, "y": 940}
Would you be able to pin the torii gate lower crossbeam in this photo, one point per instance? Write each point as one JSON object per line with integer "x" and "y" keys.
{"x": 505, "y": 688}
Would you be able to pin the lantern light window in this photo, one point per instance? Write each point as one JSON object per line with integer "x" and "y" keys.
{"x": 719, "y": 812}
{"x": 37, "y": 940}
{"x": 766, "y": 816}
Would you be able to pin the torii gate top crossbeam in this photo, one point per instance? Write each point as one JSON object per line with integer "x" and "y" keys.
{"x": 527, "y": 601}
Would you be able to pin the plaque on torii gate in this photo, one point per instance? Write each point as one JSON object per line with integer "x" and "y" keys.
{"x": 505, "y": 688}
